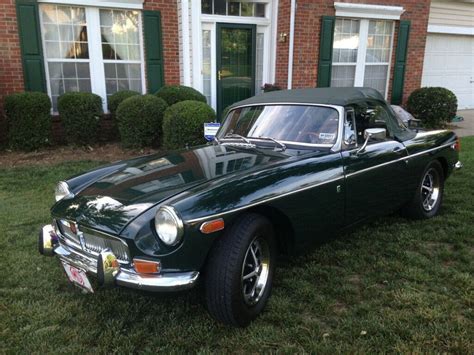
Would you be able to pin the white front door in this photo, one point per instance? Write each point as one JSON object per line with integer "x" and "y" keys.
{"x": 449, "y": 63}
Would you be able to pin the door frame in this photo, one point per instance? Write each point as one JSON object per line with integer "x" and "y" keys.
{"x": 219, "y": 27}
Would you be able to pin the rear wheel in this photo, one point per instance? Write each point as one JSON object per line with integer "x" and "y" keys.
{"x": 240, "y": 271}
{"x": 429, "y": 195}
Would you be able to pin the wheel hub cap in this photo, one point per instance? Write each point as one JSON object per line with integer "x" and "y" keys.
{"x": 430, "y": 190}
{"x": 255, "y": 269}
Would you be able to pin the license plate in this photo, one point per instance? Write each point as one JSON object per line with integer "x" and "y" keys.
{"x": 78, "y": 277}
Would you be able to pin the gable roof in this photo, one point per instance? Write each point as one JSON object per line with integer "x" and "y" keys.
{"x": 327, "y": 96}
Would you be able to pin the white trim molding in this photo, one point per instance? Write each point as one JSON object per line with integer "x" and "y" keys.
{"x": 382, "y": 12}
{"x": 118, "y": 4}
{"x": 454, "y": 30}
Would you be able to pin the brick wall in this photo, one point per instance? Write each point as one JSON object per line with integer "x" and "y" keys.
{"x": 306, "y": 41}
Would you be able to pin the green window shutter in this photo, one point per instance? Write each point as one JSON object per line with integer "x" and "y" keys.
{"x": 325, "y": 51}
{"x": 153, "y": 50}
{"x": 400, "y": 62}
{"x": 30, "y": 43}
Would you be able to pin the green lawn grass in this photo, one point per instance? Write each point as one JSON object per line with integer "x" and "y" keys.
{"x": 393, "y": 285}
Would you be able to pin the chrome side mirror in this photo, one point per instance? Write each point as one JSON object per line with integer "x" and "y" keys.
{"x": 372, "y": 133}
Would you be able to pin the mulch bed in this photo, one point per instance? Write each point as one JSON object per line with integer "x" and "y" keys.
{"x": 56, "y": 155}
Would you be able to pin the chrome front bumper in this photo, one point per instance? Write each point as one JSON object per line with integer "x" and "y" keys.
{"x": 49, "y": 245}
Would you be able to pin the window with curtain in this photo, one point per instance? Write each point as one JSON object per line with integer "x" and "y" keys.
{"x": 121, "y": 50}
{"x": 65, "y": 38}
{"x": 84, "y": 43}
{"x": 361, "y": 53}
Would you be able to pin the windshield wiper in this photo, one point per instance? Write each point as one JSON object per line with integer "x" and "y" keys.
{"x": 282, "y": 145}
{"x": 234, "y": 135}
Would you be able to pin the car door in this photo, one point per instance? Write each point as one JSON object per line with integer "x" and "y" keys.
{"x": 374, "y": 176}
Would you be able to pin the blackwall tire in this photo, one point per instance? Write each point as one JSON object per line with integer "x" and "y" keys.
{"x": 240, "y": 271}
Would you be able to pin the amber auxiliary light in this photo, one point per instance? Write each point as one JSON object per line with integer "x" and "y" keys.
{"x": 212, "y": 226}
{"x": 146, "y": 266}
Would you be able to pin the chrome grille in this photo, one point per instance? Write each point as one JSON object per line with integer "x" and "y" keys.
{"x": 92, "y": 242}
{"x": 95, "y": 244}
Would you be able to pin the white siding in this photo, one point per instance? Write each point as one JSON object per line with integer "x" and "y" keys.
{"x": 452, "y": 13}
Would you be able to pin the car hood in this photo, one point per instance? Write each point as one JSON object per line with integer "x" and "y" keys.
{"x": 113, "y": 200}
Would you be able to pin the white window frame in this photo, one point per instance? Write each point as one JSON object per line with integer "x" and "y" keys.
{"x": 362, "y": 53}
{"x": 94, "y": 42}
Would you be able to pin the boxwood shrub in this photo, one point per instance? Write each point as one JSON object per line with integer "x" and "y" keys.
{"x": 176, "y": 93}
{"x": 183, "y": 124}
{"x": 140, "y": 120}
{"x": 434, "y": 106}
{"x": 29, "y": 120}
{"x": 115, "y": 99}
{"x": 80, "y": 113}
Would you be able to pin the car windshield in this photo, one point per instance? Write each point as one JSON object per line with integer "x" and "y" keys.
{"x": 300, "y": 124}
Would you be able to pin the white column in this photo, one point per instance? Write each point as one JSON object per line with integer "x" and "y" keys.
{"x": 186, "y": 52}
{"x": 196, "y": 44}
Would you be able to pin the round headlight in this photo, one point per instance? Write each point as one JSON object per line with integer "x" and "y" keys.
{"x": 168, "y": 225}
{"x": 61, "y": 191}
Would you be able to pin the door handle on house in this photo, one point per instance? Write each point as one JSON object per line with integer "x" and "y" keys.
{"x": 219, "y": 74}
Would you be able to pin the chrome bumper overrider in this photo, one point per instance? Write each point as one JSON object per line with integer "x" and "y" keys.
{"x": 458, "y": 165}
{"x": 113, "y": 274}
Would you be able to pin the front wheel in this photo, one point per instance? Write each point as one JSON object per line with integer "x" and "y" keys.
{"x": 429, "y": 195}
{"x": 240, "y": 270}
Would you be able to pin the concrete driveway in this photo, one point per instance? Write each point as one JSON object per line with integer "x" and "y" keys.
{"x": 466, "y": 127}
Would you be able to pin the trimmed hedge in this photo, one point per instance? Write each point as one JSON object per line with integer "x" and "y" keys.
{"x": 116, "y": 99}
{"x": 140, "y": 120}
{"x": 183, "y": 124}
{"x": 434, "y": 106}
{"x": 80, "y": 113}
{"x": 173, "y": 94}
{"x": 29, "y": 120}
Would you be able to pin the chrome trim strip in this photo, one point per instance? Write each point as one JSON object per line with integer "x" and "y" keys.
{"x": 397, "y": 160}
{"x": 335, "y": 147}
{"x": 175, "y": 281}
{"x": 200, "y": 219}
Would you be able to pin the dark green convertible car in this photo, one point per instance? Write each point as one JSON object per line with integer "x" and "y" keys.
{"x": 285, "y": 170}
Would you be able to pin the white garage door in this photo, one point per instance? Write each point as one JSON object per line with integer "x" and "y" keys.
{"x": 449, "y": 62}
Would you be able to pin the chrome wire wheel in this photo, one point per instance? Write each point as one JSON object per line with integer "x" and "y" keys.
{"x": 430, "y": 189}
{"x": 255, "y": 270}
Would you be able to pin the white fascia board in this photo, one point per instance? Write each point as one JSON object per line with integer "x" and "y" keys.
{"x": 118, "y": 4}
{"x": 382, "y": 12}
{"x": 454, "y": 30}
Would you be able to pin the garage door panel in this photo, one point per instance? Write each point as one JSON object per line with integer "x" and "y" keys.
{"x": 449, "y": 62}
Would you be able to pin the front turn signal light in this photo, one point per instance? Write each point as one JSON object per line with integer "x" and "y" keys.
{"x": 457, "y": 145}
{"x": 146, "y": 266}
{"x": 212, "y": 226}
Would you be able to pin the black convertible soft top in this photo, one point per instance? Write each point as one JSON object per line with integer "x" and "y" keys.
{"x": 327, "y": 96}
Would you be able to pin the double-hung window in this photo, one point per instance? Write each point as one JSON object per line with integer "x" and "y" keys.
{"x": 361, "y": 53}
{"x": 91, "y": 50}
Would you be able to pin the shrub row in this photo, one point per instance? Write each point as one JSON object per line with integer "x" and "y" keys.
{"x": 173, "y": 117}
{"x": 140, "y": 118}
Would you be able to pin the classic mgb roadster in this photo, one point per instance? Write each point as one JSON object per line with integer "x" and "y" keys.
{"x": 285, "y": 169}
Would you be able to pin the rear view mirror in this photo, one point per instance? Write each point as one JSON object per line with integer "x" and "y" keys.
{"x": 414, "y": 123}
